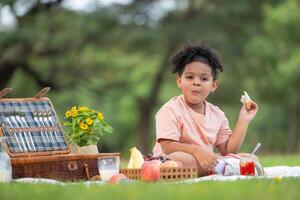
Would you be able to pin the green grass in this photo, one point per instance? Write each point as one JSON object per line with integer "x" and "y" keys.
{"x": 272, "y": 160}
{"x": 286, "y": 188}
{"x": 252, "y": 189}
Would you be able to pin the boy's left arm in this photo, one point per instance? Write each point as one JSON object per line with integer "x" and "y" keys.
{"x": 233, "y": 144}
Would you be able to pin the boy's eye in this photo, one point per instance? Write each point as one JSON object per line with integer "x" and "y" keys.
{"x": 204, "y": 79}
{"x": 189, "y": 77}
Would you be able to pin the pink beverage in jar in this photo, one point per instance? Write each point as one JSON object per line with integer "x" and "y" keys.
{"x": 247, "y": 167}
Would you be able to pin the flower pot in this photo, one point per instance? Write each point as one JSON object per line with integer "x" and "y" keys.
{"x": 91, "y": 149}
{"x": 74, "y": 148}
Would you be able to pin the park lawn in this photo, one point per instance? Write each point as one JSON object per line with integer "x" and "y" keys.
{"x": 274, "y": 160}
{"x": 286, "y": 188}
{"x": 252, "y": 189}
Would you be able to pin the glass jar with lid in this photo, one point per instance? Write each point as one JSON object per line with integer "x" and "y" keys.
{"x": 5, "y": 163}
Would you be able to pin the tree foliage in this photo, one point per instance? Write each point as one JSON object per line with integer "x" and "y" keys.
{"x": 115, "y": 58}
{"x": 276, "y": 60}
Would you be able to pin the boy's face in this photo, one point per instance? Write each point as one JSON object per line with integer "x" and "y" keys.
{"x": 196, "y": 82}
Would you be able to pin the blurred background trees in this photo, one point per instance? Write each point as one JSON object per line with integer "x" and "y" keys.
{"x": 114, "y": 58}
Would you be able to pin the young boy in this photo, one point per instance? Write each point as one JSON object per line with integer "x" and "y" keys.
{"x": 187, "y": 126}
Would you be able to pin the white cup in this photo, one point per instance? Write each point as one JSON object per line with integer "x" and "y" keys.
{"x": 108, "y": 166}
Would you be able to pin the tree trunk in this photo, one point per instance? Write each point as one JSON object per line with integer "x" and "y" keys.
{"x": 146, "y": 105}
{"x": 294, "y": 130}
{"x": 6, "y": 72}
{"x": 144, "y": 126}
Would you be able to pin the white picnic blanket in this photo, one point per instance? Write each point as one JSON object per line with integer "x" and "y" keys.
{"x": 270, "y": 173}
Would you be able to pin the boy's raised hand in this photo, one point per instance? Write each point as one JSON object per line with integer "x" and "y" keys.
{"x": 249, "y": 109}
{"x": 247, "y": 113}
{"x": 205, "y": 158}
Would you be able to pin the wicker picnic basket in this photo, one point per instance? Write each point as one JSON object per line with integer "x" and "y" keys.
{"x": 69, "y": 167}
{"x": 166, "y": 173}
{"x": 36, "y": 143}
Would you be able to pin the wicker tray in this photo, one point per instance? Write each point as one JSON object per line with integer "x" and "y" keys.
{"x": 166, "y": 173}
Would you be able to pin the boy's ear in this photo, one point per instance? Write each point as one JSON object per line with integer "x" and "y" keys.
{"x": 178, "y": 81}
{"x": 215, "y": 85}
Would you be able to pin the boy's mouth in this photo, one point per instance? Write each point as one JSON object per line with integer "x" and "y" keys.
{"x": 196, "y": 92}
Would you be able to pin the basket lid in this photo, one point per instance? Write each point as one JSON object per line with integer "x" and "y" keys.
{"x": 31, "y": 126}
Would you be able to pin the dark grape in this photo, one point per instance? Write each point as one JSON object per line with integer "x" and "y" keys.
{"x": 150, "y": 157}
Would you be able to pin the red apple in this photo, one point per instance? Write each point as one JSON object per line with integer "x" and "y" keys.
{"x": 150, "y": 171}
{"x": 179, "y": 164}
{"x": 117, "y": 178}
{"x": 156, "y": 162}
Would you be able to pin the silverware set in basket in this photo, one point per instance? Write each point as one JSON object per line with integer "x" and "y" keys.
{"x": 33, "y": 131}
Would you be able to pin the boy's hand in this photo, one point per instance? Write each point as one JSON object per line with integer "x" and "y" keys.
{"x": 205, "y": 158}
{"x": 247, "y": 114}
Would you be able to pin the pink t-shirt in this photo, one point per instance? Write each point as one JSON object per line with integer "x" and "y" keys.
{"x": 177, "y": 121}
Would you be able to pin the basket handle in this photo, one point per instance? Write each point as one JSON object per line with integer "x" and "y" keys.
{"x": 72, "y": 166}
{"x": 87, "y": 172}
{"x": 4, "y": 92}
{"x": 42, "y": 92}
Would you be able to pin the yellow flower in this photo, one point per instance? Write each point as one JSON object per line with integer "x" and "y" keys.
{"x": 73, "y": 108}
{"x": 277, "y": 178}
{"x": 100, "y": 116}
{"x": 82, "y": 108}
{"x": 89, "y": 121}
{"x": 74, "y": 113}
{"x": 86, "y": 125}
{"x": 68, "y": 114}
{"x": 83, "y": 126}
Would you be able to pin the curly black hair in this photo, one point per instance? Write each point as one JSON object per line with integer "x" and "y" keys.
{"x": 196, "y": 52}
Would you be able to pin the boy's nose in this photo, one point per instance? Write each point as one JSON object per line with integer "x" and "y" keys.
{"x": 196, "y": 84}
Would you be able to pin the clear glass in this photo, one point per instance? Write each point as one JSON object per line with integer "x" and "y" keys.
{"x": 5, "y": 163}
{"x": 108, "y": 166}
